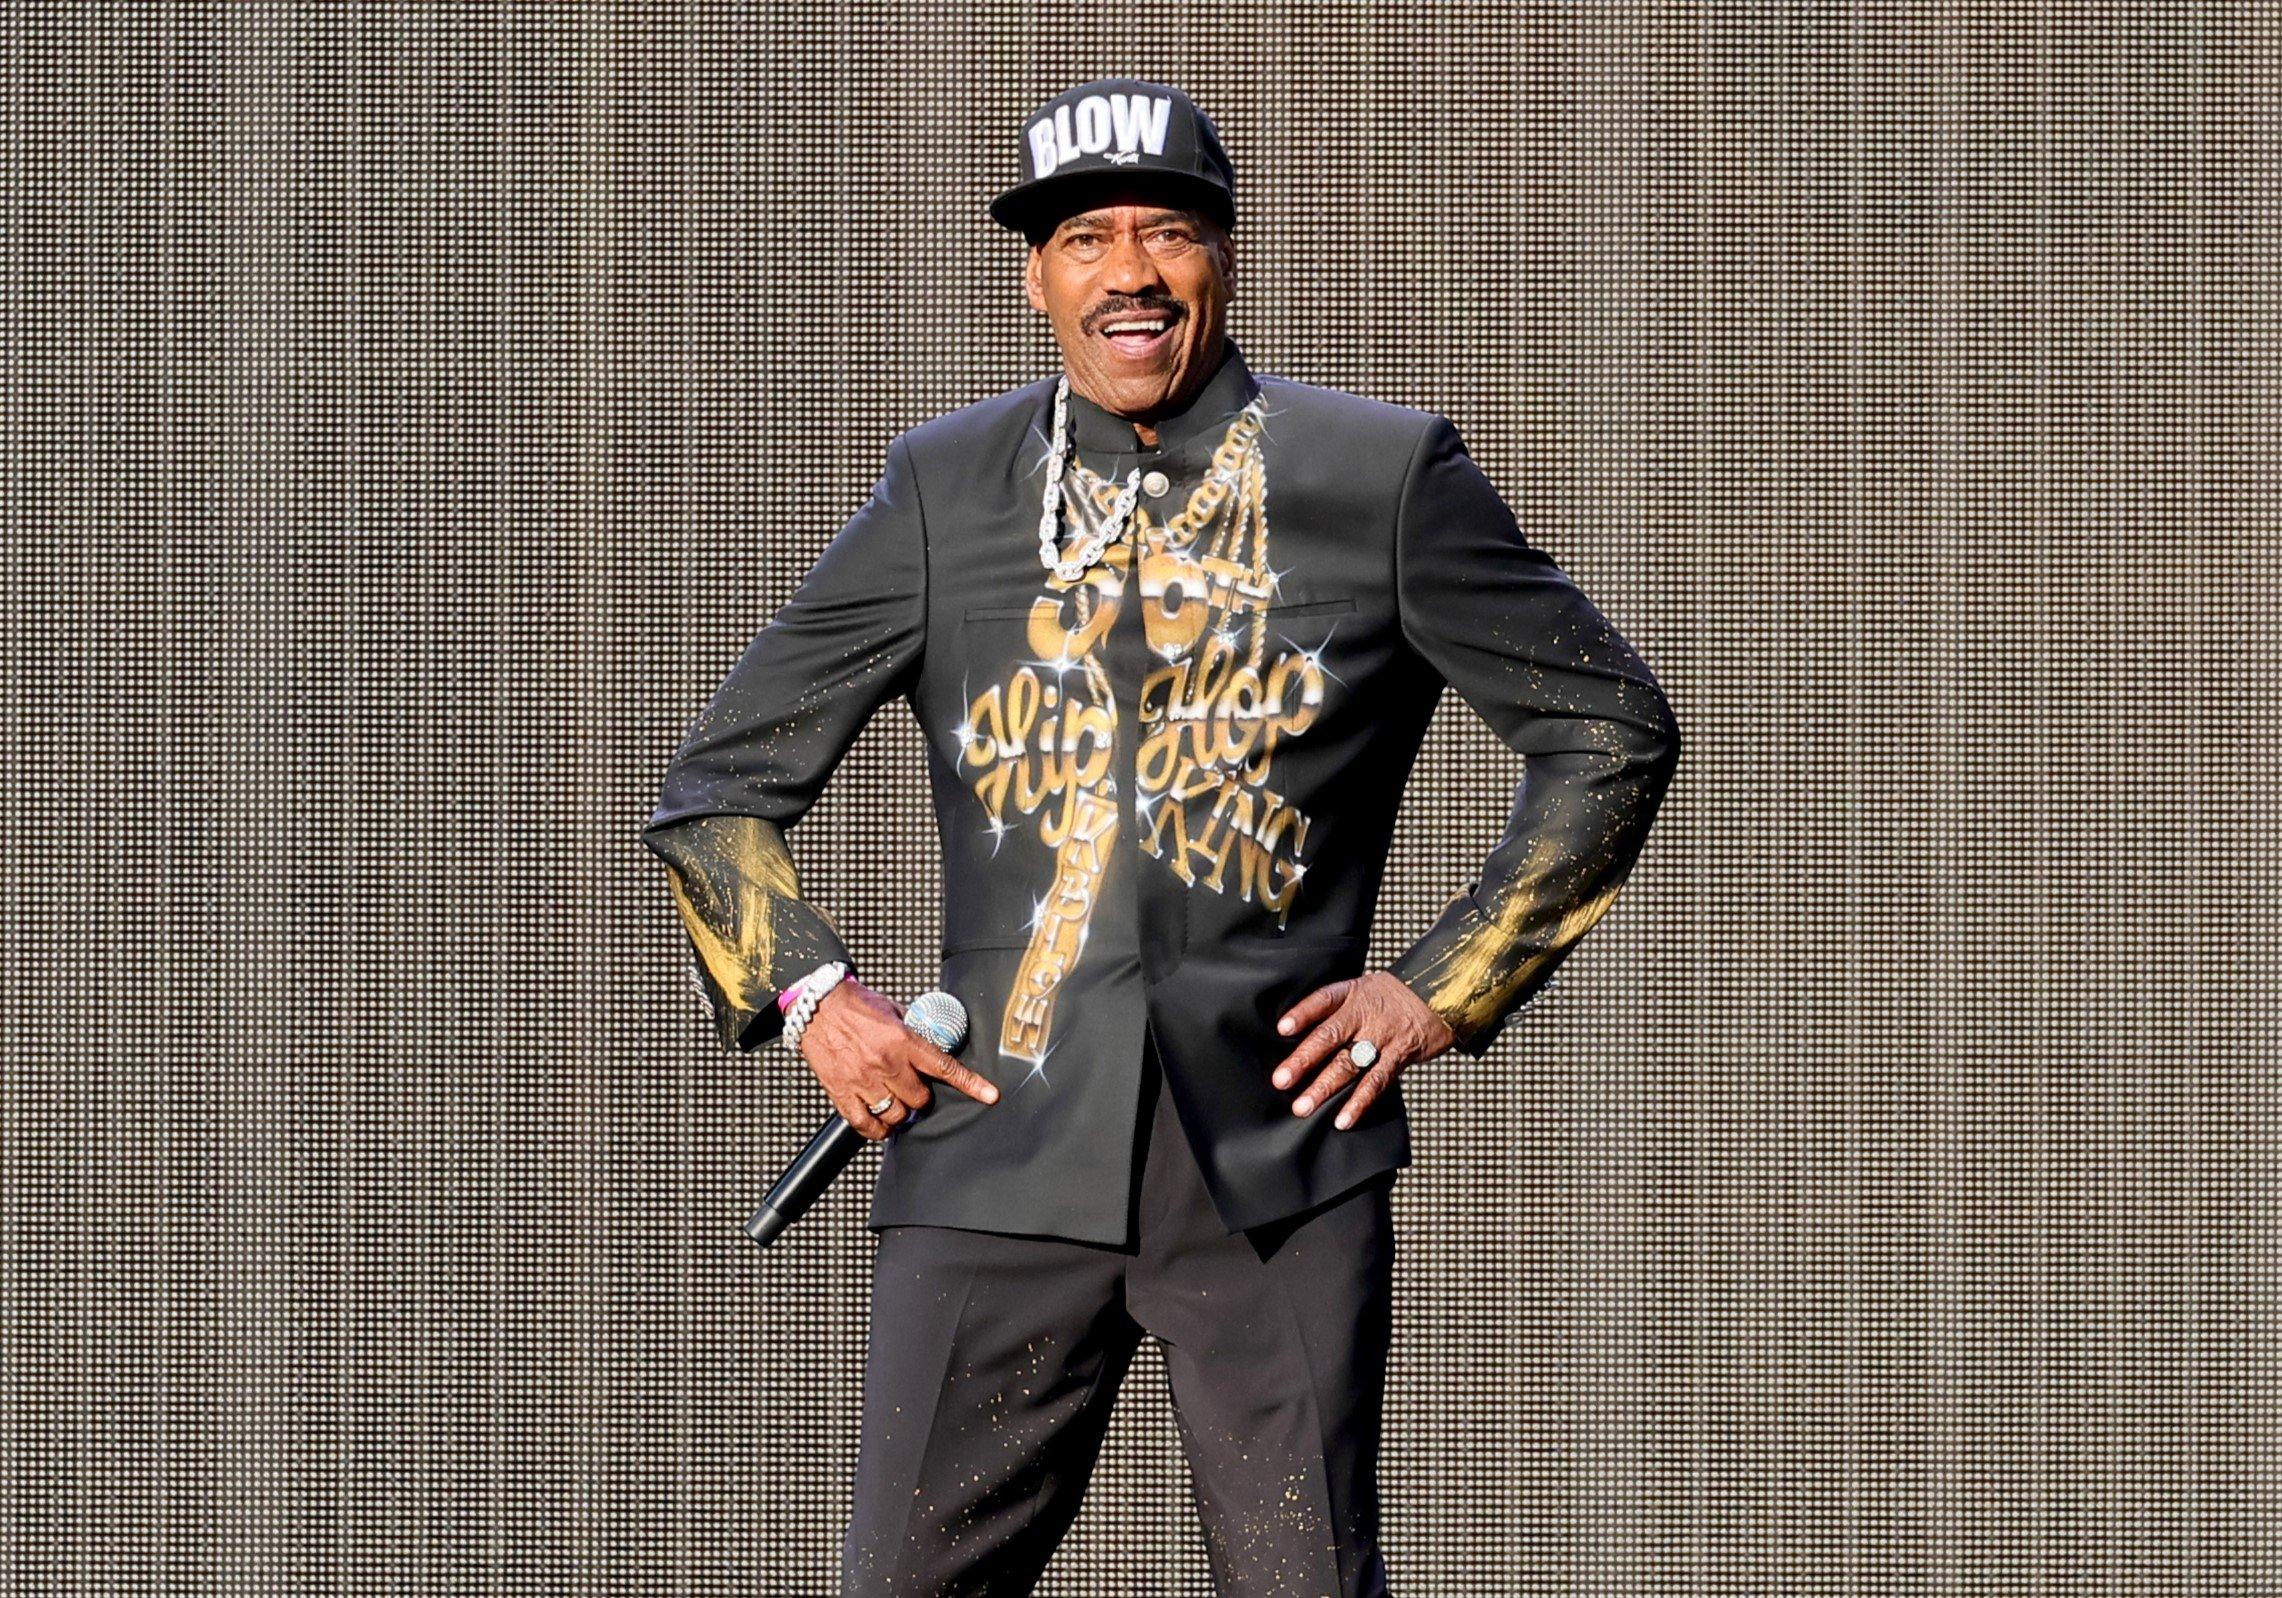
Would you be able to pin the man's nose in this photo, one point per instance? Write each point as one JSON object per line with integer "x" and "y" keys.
{"x": 1129, "y": 267}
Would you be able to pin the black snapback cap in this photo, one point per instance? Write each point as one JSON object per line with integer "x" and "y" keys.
{"x": 1116, "y": 128}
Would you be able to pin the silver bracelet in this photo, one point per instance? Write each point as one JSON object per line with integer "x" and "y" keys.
{"x": 813, "y": 987}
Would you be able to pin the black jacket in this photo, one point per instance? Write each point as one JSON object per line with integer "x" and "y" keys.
{"x": 1264, "y": 701}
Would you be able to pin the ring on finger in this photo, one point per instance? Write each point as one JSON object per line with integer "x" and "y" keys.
{"x": 883, "y": 1106}
{"x": 1364, "y": 1053}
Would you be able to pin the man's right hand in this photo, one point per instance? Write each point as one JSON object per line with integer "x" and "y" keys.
{"x": 861, "y": 1052}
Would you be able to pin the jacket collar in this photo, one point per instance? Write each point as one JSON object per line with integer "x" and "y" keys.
{"x": 1229, "y": 389}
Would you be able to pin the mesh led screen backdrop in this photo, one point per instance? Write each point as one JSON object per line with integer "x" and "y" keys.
{"x": 412, "y": 410}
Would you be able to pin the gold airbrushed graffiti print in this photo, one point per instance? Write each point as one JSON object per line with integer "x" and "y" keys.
{"x": 1222, "y": 692}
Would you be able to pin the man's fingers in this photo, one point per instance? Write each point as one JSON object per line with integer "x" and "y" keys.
{"x": 944, "y": 1067}
{"x": 1313, "y": 1008}
{"x": 1317, "y": 1046}
{"x": 857, "y": 1114}
{"x": 1374, "y": 1083}
{"x": 1328, "y": 1081}
{"x": 1367, "y": 1085}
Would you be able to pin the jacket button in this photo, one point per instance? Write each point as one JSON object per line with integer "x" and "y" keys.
{"x": 1155, "y": 484}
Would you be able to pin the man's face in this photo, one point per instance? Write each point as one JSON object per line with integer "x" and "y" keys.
{"x": 1129, "y": 258}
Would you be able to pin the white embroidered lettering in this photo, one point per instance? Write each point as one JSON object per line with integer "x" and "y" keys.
{"x": 1141, "y": 121}
{"x": 1093, "y": 124}
{"x": 1041, "y": 148}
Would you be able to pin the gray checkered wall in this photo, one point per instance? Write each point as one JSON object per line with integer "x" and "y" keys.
{"x": 411, "y": 411}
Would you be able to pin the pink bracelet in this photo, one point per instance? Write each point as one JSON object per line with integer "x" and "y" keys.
{"x": 791, "y": 996}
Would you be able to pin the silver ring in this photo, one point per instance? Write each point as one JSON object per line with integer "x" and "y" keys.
{"x": 881, "y": 1108}
{"x": 1363, "y": 1052}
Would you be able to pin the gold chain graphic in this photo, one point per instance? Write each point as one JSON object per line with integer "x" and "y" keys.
{"x": 1214, "y": 707}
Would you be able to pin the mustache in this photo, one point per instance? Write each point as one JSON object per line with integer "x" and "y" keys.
{"x": 1169, "y": 309}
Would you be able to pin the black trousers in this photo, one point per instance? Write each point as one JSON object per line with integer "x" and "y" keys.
{"x": 995, "y": 1360}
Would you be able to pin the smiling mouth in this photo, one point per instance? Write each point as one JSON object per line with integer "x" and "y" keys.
{"x": 1140, "y": 336}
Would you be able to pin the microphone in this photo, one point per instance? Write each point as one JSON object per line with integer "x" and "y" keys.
{"x": 936, "y": 1016}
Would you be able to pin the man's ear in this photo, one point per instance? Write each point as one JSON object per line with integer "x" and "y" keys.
{"x": 1032, "y": 288}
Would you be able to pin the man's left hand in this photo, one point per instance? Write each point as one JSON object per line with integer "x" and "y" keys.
{"x": 1377, "y": 1005}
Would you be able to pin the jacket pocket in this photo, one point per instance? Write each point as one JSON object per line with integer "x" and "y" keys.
{"x": 1310, "y": 607}
{"x": 962, "y": 945}
{"x": 1305, "y": 940}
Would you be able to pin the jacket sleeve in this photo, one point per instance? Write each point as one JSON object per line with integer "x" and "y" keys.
{"x": 848, "y": 639}
{"x": 1505, "y": 626}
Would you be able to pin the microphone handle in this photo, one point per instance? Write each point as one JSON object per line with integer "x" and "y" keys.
{"x": 827, "y": 1154}
{"x": 836, "y": 1142}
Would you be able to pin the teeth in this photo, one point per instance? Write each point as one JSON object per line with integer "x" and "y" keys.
{"x": 1135, "y": 327}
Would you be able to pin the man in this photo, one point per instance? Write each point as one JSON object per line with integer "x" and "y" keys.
{"x": 1173, "y": 633}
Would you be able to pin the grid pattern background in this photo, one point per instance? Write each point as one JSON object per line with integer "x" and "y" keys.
{"x": 411, "y": 410}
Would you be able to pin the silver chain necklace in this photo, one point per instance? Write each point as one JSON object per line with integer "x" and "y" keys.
{"x": 1089, "y": 550}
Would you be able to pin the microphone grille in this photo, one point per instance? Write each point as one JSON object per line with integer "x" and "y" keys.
{"x": 939, "y": 1018}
